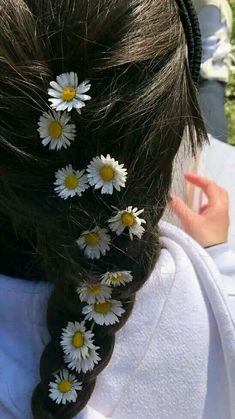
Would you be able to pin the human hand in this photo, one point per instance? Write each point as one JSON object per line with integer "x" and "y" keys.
{"x": 210, "y": 226}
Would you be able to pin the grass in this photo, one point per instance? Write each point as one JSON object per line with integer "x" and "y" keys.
{"x": 230, "y": 102}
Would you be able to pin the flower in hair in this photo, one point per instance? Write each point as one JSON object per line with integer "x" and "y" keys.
{"x": 65, "y": 387}
{"x": 94, "y": 293}
{"x": 70, "y": 182}
{"x": 76, "y": 340}
{"x": 66, "y": 93}
{"x": 129, "y": 218}
{"x": 104, "y": 313}
{"x": 56, "y": 130}
{"x": 106, "y": 173}
{"x": 84, "y": 364}
{"x": 95, "y": 242}
{"x": 116, "y": 279}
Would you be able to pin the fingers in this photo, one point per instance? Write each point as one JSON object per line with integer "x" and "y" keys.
{"x": 184, "y": 213}
{"x": 213, "y": 192}
{"x": 211, "y": 225}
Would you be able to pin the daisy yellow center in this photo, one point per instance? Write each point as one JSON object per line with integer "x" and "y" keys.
{"x": 71, "y": 182}
{"x": 103, "y": 308}
{"x": 78, "y": 340}
{"x": 95, "y": 289}
{"x": 92, "y": 239}
{"x": 55, "y": 130}
{"x": 64, "y": 386}
{"x": 68, "y": 93}
{"x": 117, "y": 278}
{"x": 107, "y": 173}
{"x": 128, "y": 219}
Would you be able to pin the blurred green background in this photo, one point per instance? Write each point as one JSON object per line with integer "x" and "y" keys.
{"x": 230, "y": 103}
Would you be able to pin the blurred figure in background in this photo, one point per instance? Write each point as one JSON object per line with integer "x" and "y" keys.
{"x": 215, "y": 17}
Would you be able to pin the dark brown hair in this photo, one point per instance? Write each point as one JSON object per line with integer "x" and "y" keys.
{"x": 143, "y": 99}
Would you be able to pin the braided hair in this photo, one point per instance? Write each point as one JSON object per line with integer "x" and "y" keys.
{"x": 143, "y": 99}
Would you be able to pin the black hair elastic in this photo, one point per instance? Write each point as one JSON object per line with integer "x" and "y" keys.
{"x": 193, "y": 35}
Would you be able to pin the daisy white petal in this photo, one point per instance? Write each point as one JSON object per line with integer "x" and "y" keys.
{"x": 55, "y": 130}
{"x": 116, "y": 279}
{"x": 84, "y": 364}
{"x": 66, "y": 93}
{"x": 129, "y": 218}
{"x": 64, "y": 388}
{"x": 104, "y": 313}
{"x": 55, "y": 86}
{"x": 94, "y": 293}
{"x": 84, "y": 87}
{"x": 107, "y": 174}
{"x": 70, "y": 182}
{"x": 76, "y": 340}
{"x": 95, "y": 242}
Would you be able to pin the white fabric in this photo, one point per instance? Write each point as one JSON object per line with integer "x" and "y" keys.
{"x": 223, "y": 256}
{"x": 174, "y": 358}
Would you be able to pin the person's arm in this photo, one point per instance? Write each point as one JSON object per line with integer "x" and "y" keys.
{"x": 210, "y": 229}
{"x": 210, "y": 226}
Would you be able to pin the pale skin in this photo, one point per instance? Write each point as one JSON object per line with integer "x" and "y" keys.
{"x": 209, "y": 227}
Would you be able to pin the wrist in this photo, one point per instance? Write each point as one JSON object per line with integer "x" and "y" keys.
{"x": 216, "y": 244}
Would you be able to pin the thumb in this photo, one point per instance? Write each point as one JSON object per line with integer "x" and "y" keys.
{"x": 183, "y": 212}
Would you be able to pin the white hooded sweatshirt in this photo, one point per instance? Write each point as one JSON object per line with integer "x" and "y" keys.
{"x": 173, "y": 359}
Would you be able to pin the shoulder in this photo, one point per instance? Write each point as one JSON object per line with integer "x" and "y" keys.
{"x": 177, "y": 325}
{"x": 185, "y": 251}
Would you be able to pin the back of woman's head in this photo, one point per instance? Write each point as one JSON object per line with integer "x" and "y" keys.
{"x": 142, "y": 99}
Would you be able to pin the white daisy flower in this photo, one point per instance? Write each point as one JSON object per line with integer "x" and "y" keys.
{"x": 106, "y": 173}
{"x": 70, "y": 182}
{"x": 56, "y": 130}
{"x": 84, "y": 364}
{"x": 104, "y": 313}
{"x": 65, "y": 387}
{"x": 128, "y": 219}
{"x": 67, "y": 94}
{"x": 94, "y": 293}
{"x": 76, "y": 340}
{"x": 116, "y": 279}
{"x": 94, "y": 242}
